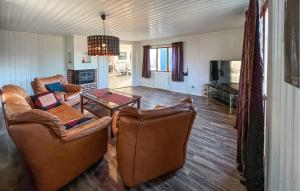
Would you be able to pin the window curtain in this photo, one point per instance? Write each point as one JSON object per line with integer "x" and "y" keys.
{"x": 146, "y": 73}
{"x": 250, "y": 116}
{"x": 177, "y": 61}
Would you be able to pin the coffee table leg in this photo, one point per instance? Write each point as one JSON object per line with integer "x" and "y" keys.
{"x": 81, "y": 104}
{"x": 139, "y": 103}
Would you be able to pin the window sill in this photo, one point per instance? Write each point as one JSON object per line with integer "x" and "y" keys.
{"x": 161, "y": 71}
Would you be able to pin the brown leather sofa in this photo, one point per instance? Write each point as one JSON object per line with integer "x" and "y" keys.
{"x": 54, "y": 155}
{"x": 151, "y": 143}
{"x": 72, "y": 95}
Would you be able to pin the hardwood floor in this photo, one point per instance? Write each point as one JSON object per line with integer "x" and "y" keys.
{"x": 210, "y": 163}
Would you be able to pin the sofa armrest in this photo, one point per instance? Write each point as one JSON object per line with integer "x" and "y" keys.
{"x": 115, "y": 124}
{"x": 86, "y": 129}
{"x": 60, "y": 95}
{"x": 40, "y": 117}
{"x": 72, "y": 88}
{"x": 159, "y": 106}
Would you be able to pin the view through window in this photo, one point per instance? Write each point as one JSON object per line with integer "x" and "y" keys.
{"x": 161, "y": 59}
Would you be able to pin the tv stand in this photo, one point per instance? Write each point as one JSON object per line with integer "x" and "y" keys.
{"x": 227, "y": 93}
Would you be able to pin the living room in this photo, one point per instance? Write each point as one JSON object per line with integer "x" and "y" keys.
{"x": 149, "y": 95}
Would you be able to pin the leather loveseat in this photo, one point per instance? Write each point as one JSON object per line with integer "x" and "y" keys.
{"x": 54, "y": 154}
{"x": 151, "y": 143}
{"x": 71, "y": 96}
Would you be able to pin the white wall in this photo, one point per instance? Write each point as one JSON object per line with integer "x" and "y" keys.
{"x": 198, "y": 51}
{"x": 24, "y": 56}
{"x": 77, "y": 48}
{"x": 102, "y": 62}
{"x": 283, "y": 124}
{"x": 136, "y": 63}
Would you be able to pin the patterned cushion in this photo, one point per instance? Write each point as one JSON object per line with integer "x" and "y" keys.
{"x": 76, "y": 122}
{"x": 45, "y": 101}
{"x": 55, "y": 87}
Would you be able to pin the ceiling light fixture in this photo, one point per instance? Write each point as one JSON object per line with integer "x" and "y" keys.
{"x": 103, "y": 45}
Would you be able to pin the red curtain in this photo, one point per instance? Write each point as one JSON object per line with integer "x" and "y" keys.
{"x": 177, "y": 61}
{"x": 146, "y": 73}
{"x": 250, "y": 116}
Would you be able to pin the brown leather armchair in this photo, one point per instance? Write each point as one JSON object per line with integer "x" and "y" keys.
{"x": 54, "y": 154}
{"x": 151, "y": 143}
{"x": 72, "y": 95}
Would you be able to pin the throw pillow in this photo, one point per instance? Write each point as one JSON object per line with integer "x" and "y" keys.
{"x": 45, "y": 101}
{"x": 55, "y": 87}
{"x": 76, "y": 122}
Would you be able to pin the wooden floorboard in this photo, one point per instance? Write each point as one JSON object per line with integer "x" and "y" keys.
{"x": 210, "y": 164}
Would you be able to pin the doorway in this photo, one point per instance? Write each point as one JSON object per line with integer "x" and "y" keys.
{"x": 120, "y": 68}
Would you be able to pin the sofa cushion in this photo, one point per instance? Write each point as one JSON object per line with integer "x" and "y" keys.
{"x": 77, "y": 122}
{"x": 45, "y": 101}
{"x": 14, "y": 94}
{"x": 184, "y": 105}
{"x": 37, "y": 116}
{"x": 155, "y": 113}
{"x": 66, "y": 113}
{"x": 55, "y": 87}
{"x": 16, "y": 99}
{"x": 39, "y": 86}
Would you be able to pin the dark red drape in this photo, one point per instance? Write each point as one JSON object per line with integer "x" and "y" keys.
{"x": 177, "y": 61}
{"x": 250, "y": 116}
{"x": 146, "y": 73}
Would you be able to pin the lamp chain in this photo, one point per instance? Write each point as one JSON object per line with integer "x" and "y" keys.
{"x": 104, "y": 27}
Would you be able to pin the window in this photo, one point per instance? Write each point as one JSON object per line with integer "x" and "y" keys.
{"x": 161, "y": 59}
{"x": 153, "y": 59}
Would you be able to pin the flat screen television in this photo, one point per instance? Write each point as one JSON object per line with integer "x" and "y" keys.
{"x": 225, "y": 71}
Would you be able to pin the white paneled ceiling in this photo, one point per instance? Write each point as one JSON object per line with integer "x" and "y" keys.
{"x": 132, "y": 20}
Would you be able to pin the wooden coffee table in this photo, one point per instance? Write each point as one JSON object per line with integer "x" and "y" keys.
{"x": 100, "y": 103}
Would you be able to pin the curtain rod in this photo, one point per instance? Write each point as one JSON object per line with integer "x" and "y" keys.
{"x": 162, "y": 45}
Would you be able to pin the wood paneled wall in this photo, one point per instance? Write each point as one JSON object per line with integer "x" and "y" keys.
{"x": 24, "y": 56}
{"x": 198, "y": 51}
{"x": 283, "y": 123}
